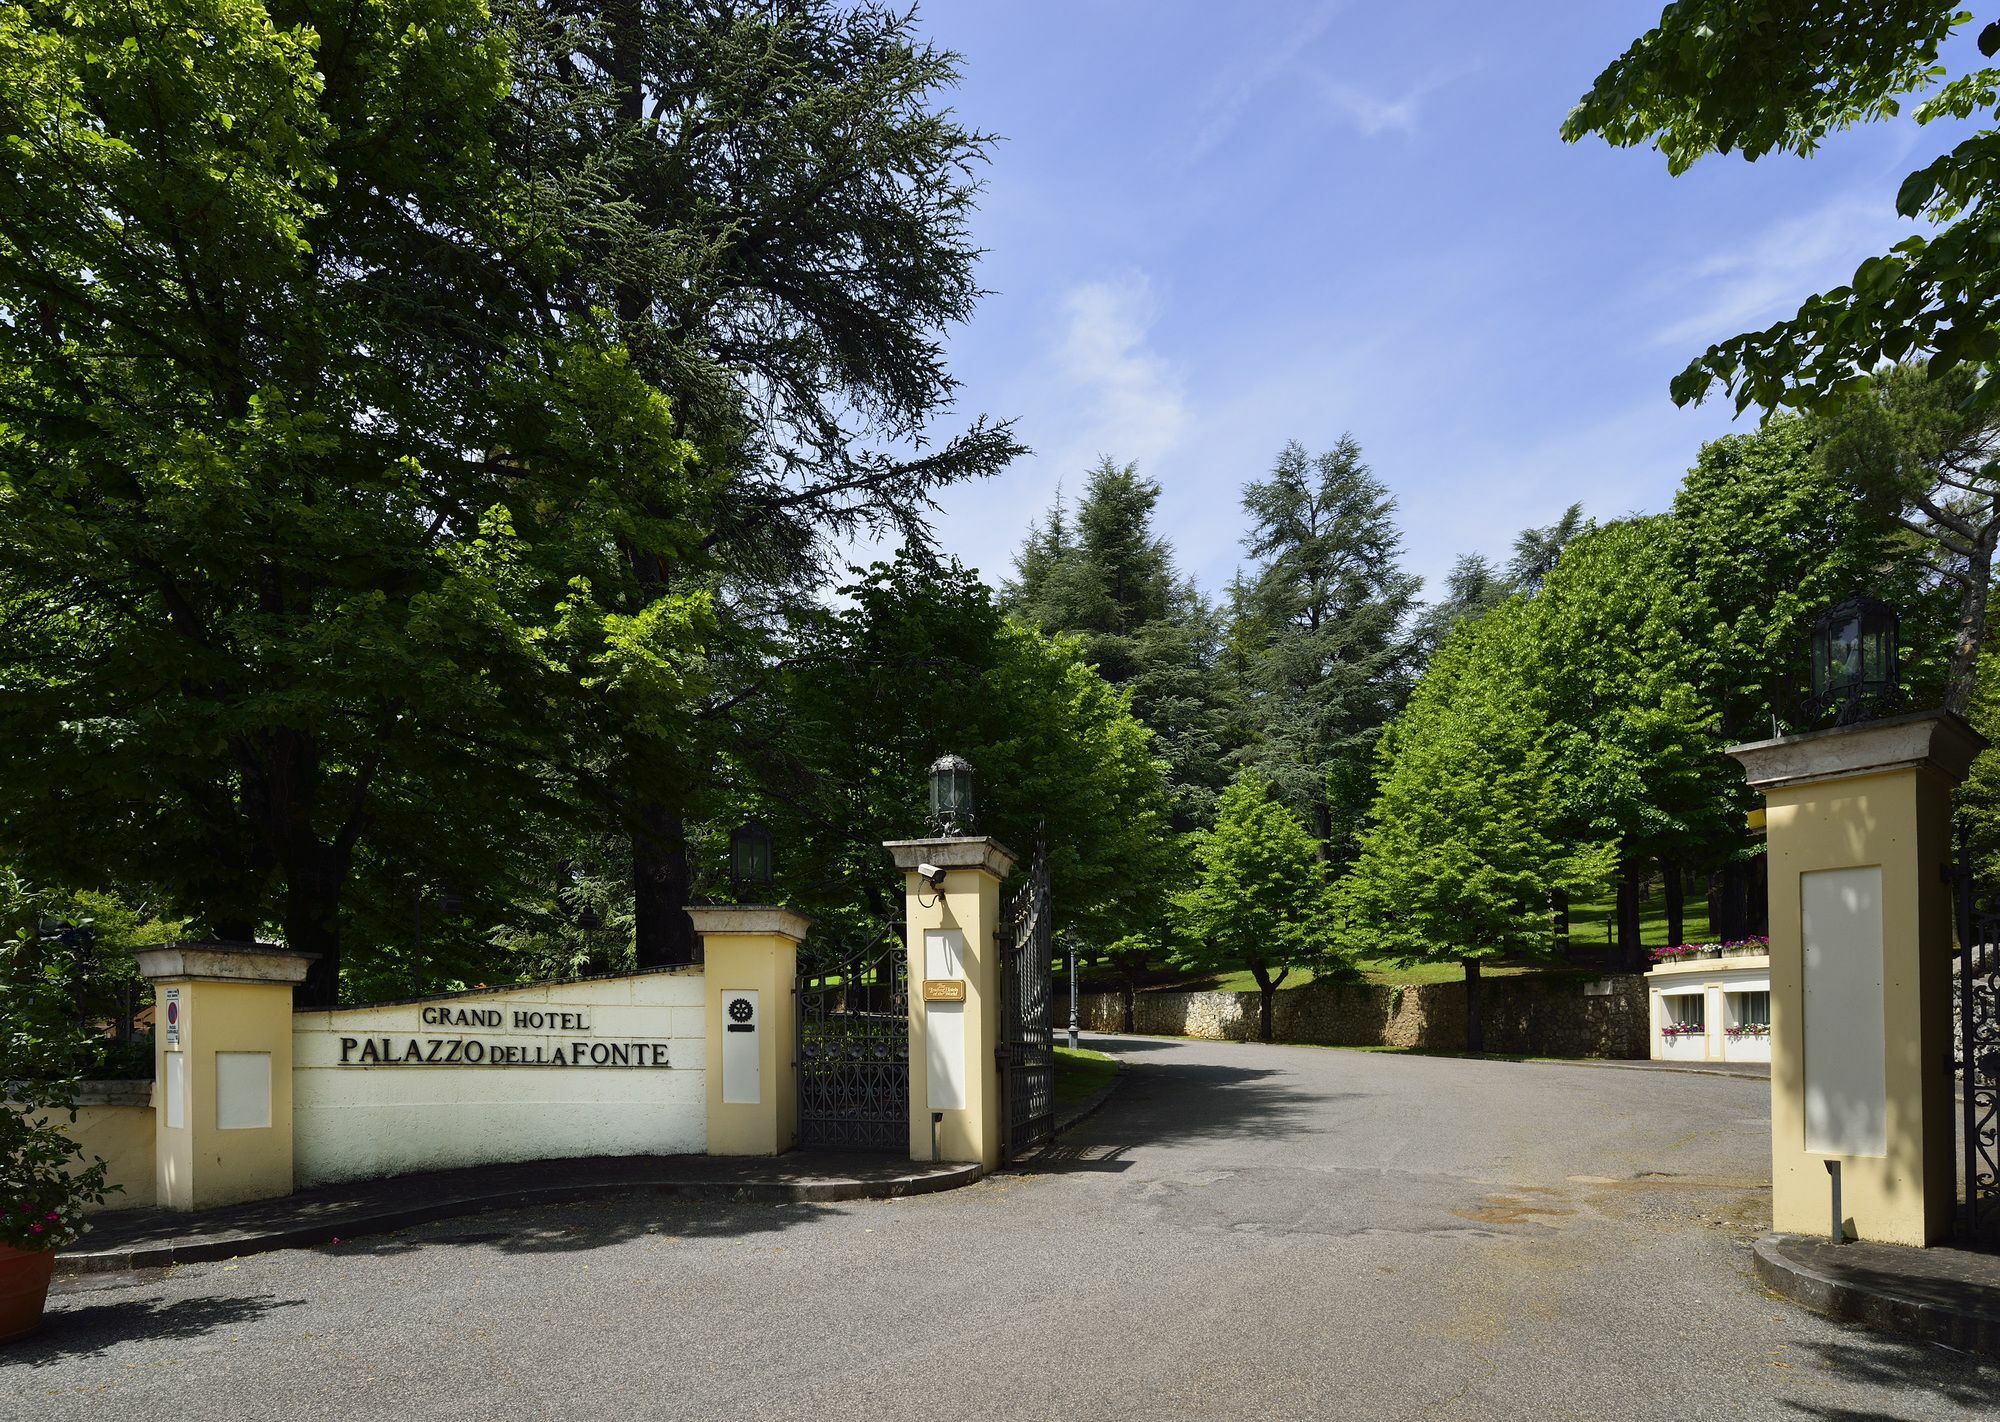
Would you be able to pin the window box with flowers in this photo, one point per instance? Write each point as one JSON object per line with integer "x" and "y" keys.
{"x": 1747, "y": 1029}
{"x": 1682, "y": 1029}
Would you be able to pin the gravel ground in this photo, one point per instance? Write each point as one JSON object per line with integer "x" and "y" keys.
{"x": 1244, "y": 1231}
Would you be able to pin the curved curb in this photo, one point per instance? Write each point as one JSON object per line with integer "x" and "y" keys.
{"x": 1878, "y": 1306}
{"x": 198, "y": 1249}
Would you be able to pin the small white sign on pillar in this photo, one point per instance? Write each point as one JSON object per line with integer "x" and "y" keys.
{"x": 742, "y": 1060}
{"x": 944, "y": 1036}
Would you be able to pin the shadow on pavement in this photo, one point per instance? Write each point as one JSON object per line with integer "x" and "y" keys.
{"x": 85, "y": 1330}
{"x": 590, "y": 1224}
{"x": 1160, "y": 1102}
{"x": 1902, "y": 1365}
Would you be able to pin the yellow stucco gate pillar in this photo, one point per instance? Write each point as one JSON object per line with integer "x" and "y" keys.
{"x": 1859, "y": 819}
{"x": 954, "y": 911}
{"x": 751, "y": 964}
{"x": 222, "y": 1033}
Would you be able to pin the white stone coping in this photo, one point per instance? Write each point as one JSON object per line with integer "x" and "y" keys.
{"x": 1709, "y": 967}
{"x": 749, "y": 918}
{"x": 970, "y": 852}
{"x": 226, "y": 962}
{"x": 1938, "y": 741}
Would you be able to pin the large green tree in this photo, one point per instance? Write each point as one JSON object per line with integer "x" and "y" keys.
{"x": 1257, "y": 898}
{"x": 1320, "y": 623}
{"x": 1617, "y": 662}
{"x": 1106, "y": 576}
{"x": 1467, "y": 848}
{"x": 917, "y": 662}
{"x": 783, "y": 234}
{"x": 307, "y": 544}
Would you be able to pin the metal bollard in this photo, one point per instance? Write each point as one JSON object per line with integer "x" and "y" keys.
{"x": 936, "y": 1116}
{"x": 1838, "y": 1234}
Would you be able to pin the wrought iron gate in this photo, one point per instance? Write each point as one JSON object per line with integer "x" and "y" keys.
{"x": 854, "y": 1047}
{"x": 1977, "y": 1014}
{"x": 1027, "y": 1035}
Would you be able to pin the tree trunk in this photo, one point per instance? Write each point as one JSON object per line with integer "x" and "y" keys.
{"x": 1631, "y": 874}
{"x": 1732, "y": 921}
{"x": 1670, "y": 877}
{"x": 1267, "y": 999}
{"x": 1559, "y": 908}
{"x": 313, "y": 880}
{"x": 1757, "y": 897}
{"x": 1130, "y": 995}
{"x": 1964, "y": 677}
{"x": 1475, "y": 1027}
{"x": 662, "y": 934}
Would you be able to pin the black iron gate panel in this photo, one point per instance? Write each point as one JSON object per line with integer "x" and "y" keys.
{"x": 1027, "y": 1034}
{"x": 1977, "y": 1013}
{"x": 854, "y": 1048}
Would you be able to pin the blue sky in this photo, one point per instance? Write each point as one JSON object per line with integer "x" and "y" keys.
{"x": 1215, "y": 227}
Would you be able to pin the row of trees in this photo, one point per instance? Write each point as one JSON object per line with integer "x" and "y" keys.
{"x": 424, "y": 429}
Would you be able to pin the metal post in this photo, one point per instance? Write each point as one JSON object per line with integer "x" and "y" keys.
{"x": 1838, "y": 1234}
{"x": 1072, "y": 994}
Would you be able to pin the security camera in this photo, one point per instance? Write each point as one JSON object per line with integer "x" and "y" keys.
{"x": 931, "y": 874}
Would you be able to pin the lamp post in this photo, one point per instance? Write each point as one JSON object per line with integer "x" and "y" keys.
{"x": 1072, "y": 993}
{"x": 953, "y": 807}
{"x": 1855, "y": 663}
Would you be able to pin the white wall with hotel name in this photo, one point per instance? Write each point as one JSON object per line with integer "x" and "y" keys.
{"x": 609, "y": 1066}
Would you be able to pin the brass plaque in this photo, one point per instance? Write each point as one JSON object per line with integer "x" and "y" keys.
{"x": 944, "y": 989}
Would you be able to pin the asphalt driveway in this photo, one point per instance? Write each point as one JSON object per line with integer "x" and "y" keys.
{"x": 1281, "y": 1232}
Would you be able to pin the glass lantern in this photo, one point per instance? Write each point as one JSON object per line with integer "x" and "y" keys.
{"x": 750, "y": 857}
{"x": 1854, "y": 660}
{"x": 952, "y": 805}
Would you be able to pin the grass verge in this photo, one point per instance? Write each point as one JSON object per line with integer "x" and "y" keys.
{"x": 1081, "y": 1074}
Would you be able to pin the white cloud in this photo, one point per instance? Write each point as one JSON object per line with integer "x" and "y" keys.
{"x": 1770, "y": 275}
{"x": 1126, "y": 399}
{"x": 1246, "y": 79}
{"x": 1373, "y": 115}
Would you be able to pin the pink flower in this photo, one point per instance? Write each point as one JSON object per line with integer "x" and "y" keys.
{"x": 53, "y": 1215}
{"x": 34, "y": 1229}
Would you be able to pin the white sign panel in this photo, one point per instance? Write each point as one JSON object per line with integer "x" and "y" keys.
{"x": 171, "y": 1011}
{"x": 944, "y": 1035}
{"x": 742, "y": 1061}
{"x": 177, "y": 1091}
{"x": 242, "y": 1091}
{"x": 1845, "y": 1040}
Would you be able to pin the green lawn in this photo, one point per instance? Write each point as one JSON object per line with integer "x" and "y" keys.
{"x": 1081, "y": 1074}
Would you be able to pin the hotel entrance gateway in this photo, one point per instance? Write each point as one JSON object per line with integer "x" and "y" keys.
{"x": 743, "y": 1055}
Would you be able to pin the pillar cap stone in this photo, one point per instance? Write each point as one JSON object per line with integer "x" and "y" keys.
{"x": 962, "y": 852}
{"x": 711, "y": 919}
{"x": 226, "y": 962}
{"x": 1941, "y": 742}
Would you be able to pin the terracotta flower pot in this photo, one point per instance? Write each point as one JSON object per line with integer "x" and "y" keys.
{"x": 24, "y": 1289}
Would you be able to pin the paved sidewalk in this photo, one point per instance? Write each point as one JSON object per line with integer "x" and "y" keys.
{"x": 153, "y": 1238}
{"x": 1948, "y": 1296}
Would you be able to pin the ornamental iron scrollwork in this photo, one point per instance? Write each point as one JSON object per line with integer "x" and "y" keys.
{"x": 1977, "y": 1014}
{"x": 1027, "y": 1032}
{"x": 854, "y": 1047}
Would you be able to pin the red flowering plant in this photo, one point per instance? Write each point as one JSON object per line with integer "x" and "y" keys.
{"x": 1677, "y": 952}
{"x": 1682, "y": 1029}
{"x": 45, "y": 1181}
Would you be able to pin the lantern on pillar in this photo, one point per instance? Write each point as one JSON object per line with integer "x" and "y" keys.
{"x": 1854, "y": 660}
{"x": 952, "y": 805}
{"x": 750, "y": 857}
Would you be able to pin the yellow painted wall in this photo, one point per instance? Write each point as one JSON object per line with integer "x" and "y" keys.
{"x": 969, "y": 901}
{"x": 201, "y": 1165}
{"x": 121, "y": 1134}
{"x": 1900, "y": 821}
{"x": 767, "y": 964}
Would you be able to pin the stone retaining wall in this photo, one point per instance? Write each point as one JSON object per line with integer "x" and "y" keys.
{"x": 1558, "y": 1015}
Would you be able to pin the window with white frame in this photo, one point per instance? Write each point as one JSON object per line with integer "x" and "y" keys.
{"x": 1689, "y": 1009}
{"x": 1751, "y": 1009}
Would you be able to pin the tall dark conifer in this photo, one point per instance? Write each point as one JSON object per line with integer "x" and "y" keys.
{"x": 1321, "y": 628}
